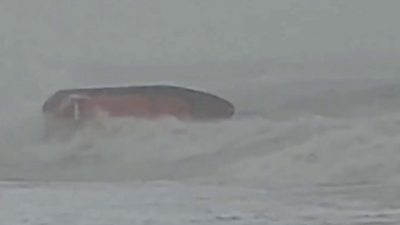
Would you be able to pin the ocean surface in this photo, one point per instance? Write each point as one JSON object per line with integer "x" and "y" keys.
{"x": 315, "y": 138}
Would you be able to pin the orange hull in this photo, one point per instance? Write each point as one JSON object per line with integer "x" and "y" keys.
{"x": 140, "y": 102}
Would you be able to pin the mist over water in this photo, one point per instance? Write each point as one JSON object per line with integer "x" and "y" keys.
{"x": 315, "y": 85}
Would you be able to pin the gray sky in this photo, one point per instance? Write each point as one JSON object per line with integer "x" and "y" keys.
{"x": 183, "y": 31}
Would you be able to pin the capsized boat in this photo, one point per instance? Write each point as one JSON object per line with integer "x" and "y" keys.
{"x": 146, "y": 102}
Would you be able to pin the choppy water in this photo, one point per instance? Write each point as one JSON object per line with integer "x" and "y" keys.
{"x": 317, "y": 105}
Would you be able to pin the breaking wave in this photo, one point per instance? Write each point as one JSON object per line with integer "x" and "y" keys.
{"x": 316, "y": 147}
